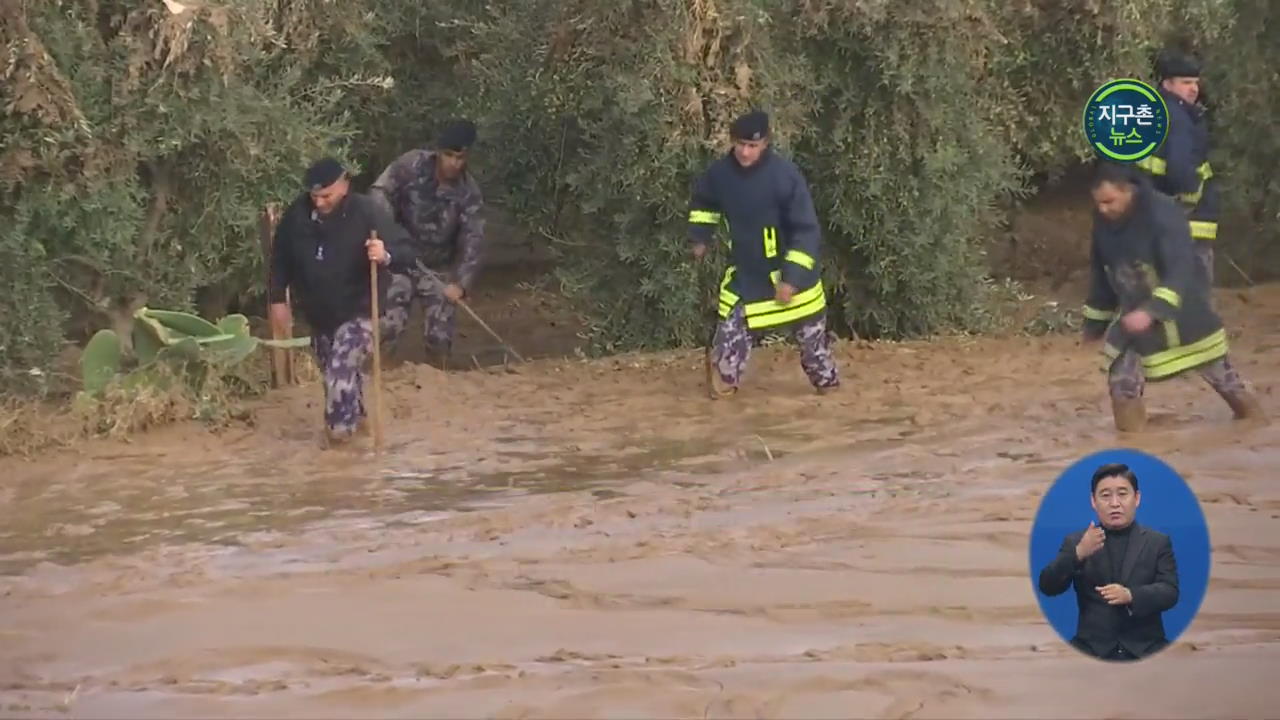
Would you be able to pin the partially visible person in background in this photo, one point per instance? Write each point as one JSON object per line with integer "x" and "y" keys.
{"x": 1180, "y": 166}
{"x": 432, "y": 194}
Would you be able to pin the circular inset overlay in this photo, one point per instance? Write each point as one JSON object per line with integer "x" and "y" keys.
{"x": 1125, "y": 120}
{"x": 1146, "y": 555}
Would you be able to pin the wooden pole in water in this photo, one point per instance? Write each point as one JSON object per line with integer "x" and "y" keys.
{"x": 377, "y": 352}
{"x": 281, "y": 358}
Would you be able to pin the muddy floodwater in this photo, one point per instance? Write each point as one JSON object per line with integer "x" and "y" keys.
{"x": 580, "y": 540}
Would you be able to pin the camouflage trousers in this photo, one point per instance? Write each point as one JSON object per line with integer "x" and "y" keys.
{"x": 341, "y": 355}
{"x": 1126, "y": 380}
{"x": 438, "y": 312}
{"x": 731, "y": 347}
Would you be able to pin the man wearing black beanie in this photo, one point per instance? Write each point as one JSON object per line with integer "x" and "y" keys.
{"x": 774, "y": 279}
{"x": 1180, "y": 166}
{"x": 321, "y": 254}
{"x": 433, "y": 196}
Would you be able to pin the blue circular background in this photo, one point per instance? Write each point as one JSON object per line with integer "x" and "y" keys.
{"x": 1167, "y": 504}
{"x": 1097, "y": 131}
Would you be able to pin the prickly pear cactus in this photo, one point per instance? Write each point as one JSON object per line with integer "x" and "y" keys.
{"x": 100, "y": 361}
{"x": 177, "y": 339}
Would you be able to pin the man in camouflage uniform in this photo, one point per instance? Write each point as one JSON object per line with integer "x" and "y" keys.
{"x": 1149, "y": 302}
{"x": 321, "y": 252}
{"x": 435, "y": 198}
{"x": 773, "y": 280}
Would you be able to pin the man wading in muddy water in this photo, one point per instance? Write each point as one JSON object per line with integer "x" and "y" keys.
{"x": 433, "y": 196}
{"x": 1149, "y": 301}
{"x": 322, "y": 250}
{"x": 773, "y": 279}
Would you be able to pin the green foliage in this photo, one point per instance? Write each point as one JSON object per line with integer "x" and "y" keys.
{"x": 1053, "y": 318}
{"x": 1243, "y": 75}
{"x": 918, "y": 126}
{"x": 908, "y": 160}
{"x": 603, "y": 119}
{"x": 26, "y": 343}
{"x": 138, "y": 145}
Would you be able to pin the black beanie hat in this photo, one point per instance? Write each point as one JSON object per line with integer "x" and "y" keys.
{"x": 323, "y": 173}
{"x": 457, "y": 135}
{"x": 1175, "y": 63}
{"x": 752, "y": 126}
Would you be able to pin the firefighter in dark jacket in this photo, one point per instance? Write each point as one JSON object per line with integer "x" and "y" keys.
{"x": 321, "y": 253}
{"x": 773, "y": 280}
{"x": 1180, "y": 166}
{"x": 1148, "y": 302}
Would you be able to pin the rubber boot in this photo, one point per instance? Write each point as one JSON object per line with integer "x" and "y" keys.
{"x": 1130, "y": 414}
{"x": 717, "y": 388}
{"x": 1245, "y": 405}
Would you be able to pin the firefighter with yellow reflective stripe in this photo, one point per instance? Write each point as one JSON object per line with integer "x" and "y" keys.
{"x": 773, "y": 280}
{"x": 1147, "y": 301}
{"x": 1180, "y": 166}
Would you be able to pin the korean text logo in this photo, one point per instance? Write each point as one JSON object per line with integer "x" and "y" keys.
{"x": 1125, "y": 120}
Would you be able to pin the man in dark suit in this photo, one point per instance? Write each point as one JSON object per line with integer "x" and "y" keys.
{"x": 1124, "y": 574}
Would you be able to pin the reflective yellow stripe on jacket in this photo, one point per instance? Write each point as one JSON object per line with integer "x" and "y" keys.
{"x": 1204, "y": 230}
{"x": 801, "y": 258}
{"x": 708, "y": 217}
{"x": 1174, "y": 360}
{"x": 1158, "y": 166}
{"x": 1168, "y": 296}
{"x": 1093, "y": 313}
{"x": 770, "y": 242}
{"x": 770, "y": 313}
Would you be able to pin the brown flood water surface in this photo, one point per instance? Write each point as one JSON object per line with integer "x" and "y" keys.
{"x": 597, "y": 540}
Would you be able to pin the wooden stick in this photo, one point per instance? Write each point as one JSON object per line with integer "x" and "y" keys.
{"x": 441, "y": 284}
{"x": 377, "y": 352}
{"x": 290, "y": 358}
{"x": 485, "y": 325}
{"x": 281, "y": 358}
{"x": 1237, "y": 267}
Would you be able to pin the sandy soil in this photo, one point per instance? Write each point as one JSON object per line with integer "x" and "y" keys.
{"x": 597, "y": 540}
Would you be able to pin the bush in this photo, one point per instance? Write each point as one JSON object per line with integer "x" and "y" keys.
{"x": 1242, "y": 75}
{"x": 918, "y": 127}
{"x": 140, "y": 144}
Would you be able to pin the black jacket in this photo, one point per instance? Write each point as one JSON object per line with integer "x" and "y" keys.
{"x": 1149, "y": 571}
{"x": 1146, "y": 260}
{"x": 773, "y": 232}
{"x": 1180, "y": 166}
{"x": 323, "y": 260}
